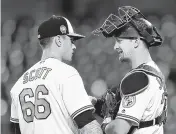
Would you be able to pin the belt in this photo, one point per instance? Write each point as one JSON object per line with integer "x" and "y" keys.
{"x": 156, "y": 121}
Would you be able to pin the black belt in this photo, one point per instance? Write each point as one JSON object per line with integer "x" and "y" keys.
{"x": 143, "y": 124}
{"x": 156, "y": 121}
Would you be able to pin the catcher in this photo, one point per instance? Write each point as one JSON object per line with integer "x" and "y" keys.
{"x": 139, "y": 106}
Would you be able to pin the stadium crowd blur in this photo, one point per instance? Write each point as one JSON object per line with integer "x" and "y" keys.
{"x": 94, "y": 58}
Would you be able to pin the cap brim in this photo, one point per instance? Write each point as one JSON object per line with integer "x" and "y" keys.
{"x": 76, "y": 36}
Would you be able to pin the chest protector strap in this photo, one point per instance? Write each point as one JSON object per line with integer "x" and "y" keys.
{"x": 162, "y": 118}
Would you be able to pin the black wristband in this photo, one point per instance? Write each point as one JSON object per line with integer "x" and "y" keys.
{"x": 103, "y": 126}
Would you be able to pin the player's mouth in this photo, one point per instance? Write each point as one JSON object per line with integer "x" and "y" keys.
{"x": 73, "y": 53}
{"x": 119, "y": 51}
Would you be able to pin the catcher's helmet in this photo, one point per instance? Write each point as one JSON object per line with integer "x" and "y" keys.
{"x": 130, "y": 18}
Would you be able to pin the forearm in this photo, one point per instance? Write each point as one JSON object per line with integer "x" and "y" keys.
{"x": 110, "y": 129}
{"x": 91, "y": 128}
{"x": 118, "y": 126}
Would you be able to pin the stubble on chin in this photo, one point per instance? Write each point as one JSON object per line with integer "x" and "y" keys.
{"x": 122, "y": 59}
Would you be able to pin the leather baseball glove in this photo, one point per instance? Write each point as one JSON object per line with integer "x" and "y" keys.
{"x": 108, "y": 105}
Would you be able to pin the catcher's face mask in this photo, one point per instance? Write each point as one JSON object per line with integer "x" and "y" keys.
{"x": 128, "y": 16}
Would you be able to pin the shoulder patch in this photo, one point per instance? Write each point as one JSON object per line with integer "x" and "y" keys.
{"x": 128, "y": 101}
{"x": 134, "y": 83}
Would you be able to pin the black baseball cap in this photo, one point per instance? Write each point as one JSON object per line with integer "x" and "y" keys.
{"x": 57, "y": 25}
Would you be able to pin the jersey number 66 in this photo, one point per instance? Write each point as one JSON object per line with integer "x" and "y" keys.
{"x": 41, "y": 109}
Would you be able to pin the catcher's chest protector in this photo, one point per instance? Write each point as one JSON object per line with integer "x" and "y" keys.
{"x": 141, "y": 70}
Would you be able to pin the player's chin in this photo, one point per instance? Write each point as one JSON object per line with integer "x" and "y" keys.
{"x": 70, "y": 58}
{"x": 123, "y": 59}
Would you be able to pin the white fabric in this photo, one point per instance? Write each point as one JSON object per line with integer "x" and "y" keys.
{"x": 66, "y": 95}
{"x": 145, "y": 106}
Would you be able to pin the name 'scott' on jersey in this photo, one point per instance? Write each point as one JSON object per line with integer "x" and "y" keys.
{"x": 47, "y": 98}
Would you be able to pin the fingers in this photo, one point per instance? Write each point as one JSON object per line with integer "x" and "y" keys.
{"x": 93, "y": 100}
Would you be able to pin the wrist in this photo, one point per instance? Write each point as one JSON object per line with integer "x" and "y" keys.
{"x": 105, "y": 122}
{"x": 103, "y": 126}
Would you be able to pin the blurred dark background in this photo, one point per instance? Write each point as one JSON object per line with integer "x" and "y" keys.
{"x": 94, "y": 58}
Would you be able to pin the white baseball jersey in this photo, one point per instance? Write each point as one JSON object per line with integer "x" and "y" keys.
{"x": 144, "y": 106}
{"x": 47, "y": 98}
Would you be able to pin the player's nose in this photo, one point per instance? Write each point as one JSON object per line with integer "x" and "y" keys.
{"x": 116, "y": 45}
{"x": 73, "y": 46}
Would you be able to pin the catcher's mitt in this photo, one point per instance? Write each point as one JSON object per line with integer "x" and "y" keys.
{"x": 108, "y": 104}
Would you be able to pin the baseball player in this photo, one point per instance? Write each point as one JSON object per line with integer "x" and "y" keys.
{"x": 50, "y": 98}
{"x": 143, "y": 105}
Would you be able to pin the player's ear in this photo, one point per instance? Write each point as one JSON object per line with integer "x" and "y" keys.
{"x": 58, "y": 40}
{"x": 137, "y": 42}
